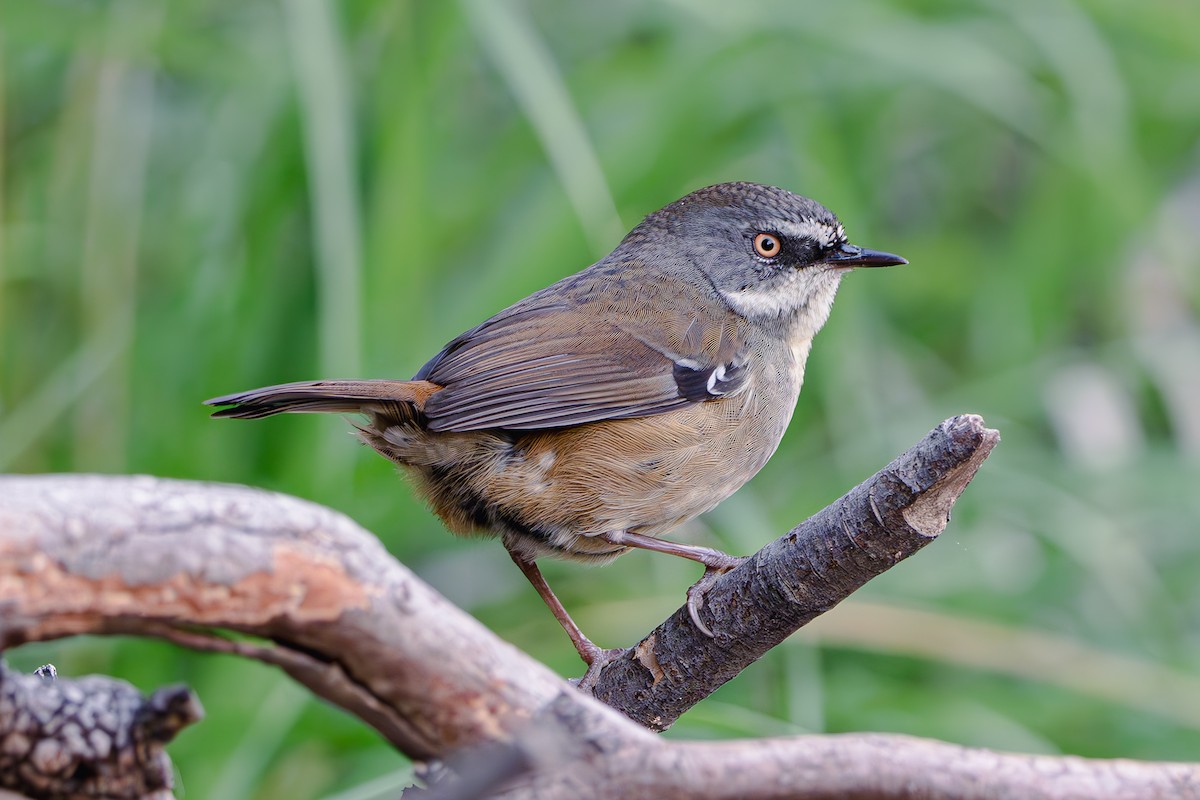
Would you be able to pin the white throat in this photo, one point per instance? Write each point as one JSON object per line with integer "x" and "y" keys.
{"x": 806, "y": 294}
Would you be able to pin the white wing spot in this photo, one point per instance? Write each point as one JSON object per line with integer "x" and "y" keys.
{"x": 715, "y": 377}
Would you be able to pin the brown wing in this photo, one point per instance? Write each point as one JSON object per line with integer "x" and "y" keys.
{"x": 552, "y": 361}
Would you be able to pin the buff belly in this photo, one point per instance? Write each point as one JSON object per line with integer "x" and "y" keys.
{"x": 551, "y": 492}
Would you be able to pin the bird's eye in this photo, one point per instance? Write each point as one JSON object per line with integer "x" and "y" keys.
{"x": 767, "y": 245}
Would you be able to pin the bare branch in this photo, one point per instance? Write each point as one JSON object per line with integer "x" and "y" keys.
{"x": 100, "y": 554}
{"x": 797, "y": 577}
{"x": 854, "y": 767}
{"x": 181, "y": 560}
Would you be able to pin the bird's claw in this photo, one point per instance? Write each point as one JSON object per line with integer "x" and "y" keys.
{"x": 695, "y": 594}
{"x": 596, "y": 661}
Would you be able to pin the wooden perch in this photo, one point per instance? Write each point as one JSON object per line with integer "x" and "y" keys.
{"x": 181, "y": 560}
{"x": 797, "y": 577}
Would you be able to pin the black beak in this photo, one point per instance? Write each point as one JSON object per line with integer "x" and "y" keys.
{"x": 849, "y": 256}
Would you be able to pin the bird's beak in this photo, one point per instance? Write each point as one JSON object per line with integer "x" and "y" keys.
{"x": 849, "y": 256}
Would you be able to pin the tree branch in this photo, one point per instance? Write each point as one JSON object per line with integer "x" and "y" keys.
{"x": 90, "y": 554}
{"x": 852, "y": 767}
{"x": 797, "y": 577}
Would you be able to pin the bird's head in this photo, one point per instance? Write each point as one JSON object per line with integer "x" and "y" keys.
{"x": 770, "y": 254}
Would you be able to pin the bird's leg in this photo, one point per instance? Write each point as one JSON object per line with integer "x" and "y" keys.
{"x": 592, "y": 655}
{"x": 715, "y": 564}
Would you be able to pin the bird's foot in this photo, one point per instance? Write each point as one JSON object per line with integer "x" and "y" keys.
{"x": 596, "y": 659}
{"x": 713, "y": 568}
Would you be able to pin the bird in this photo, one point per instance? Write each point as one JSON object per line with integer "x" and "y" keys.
{"x": 600, "y": 413}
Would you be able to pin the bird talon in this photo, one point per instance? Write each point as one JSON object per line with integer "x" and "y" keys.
{"x": 695, "y": 601}
{"x": 695, "y": 594}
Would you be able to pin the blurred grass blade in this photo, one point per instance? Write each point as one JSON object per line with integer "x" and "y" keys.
{"x": 1097, "y": 97}
{"x": 330, "y": 159}
{"x": 21, "y": 428}
{"x": 122, "y": 108}
{"x": 528, "y": 66}
{"x": 385, "y": 787}
{"x": 329, "y": 154}
{"x": 982, "y": 76}
{"x": 3, "y": 204}
{"x": 1021, "y": 651}
{"x": 261, "y": 740}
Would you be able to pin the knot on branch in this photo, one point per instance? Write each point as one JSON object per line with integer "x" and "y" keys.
{"x": 90, "y": 737}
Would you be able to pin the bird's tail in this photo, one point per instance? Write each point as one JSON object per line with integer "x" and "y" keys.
{"x": 329, "y": 397}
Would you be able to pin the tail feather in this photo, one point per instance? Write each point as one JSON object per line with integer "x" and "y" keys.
{"x": 329, "y": 397}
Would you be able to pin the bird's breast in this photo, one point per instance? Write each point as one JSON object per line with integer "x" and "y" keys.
{"x": 550, "y": 492}
{"x": 648, "y": 475}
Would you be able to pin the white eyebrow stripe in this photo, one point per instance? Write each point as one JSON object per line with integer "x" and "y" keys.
{"x": 820, "y": 232}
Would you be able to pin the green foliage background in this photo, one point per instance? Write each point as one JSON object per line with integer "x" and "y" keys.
{"x": 202, "y": 196}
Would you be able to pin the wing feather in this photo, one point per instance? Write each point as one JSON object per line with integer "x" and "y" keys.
{"x": 554, "y": 362}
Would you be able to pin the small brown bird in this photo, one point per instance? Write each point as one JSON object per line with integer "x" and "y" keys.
{"x": 601, "y": 412}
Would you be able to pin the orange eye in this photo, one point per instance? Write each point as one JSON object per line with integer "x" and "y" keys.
{"x": 767, "y": 245}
